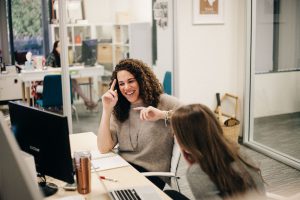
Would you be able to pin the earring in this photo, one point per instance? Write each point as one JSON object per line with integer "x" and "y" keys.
{"x": 188, "y": 157}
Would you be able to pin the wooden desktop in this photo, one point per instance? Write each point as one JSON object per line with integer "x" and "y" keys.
{"x": 126, "y": 176}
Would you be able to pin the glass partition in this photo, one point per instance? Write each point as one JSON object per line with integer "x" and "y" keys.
{"x": 120, "y": 29}
{"x": 99, "y": 34}
{"x": 274, "y": 76}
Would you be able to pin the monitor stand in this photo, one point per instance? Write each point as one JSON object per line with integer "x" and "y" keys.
{"x": 47, "y": 188}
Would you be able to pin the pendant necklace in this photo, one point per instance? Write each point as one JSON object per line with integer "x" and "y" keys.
{"x": 134, "y": 147}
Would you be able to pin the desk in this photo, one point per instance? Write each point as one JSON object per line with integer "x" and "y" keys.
{"x": 126, "y": 176}
{"x": 10, "y": 85}
{"x": 26, "y": 76}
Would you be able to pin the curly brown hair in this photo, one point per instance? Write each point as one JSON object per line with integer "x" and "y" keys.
{"x": 152, "y": 88}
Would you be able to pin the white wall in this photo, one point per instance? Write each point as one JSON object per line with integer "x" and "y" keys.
{"x": 141, "y": 10}
{"x": 211, "y": 58}
{"x": 276, "y": 93}
{"x": 98, "y": 11}
{"x": 104, "y": 11}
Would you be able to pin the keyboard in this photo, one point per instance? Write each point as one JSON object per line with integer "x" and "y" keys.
{"x": 126, "y": 194}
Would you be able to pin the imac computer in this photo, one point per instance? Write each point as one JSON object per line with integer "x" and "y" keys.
{"x": 89, "y": 52}
{"x": 44, "y": 135}
{"x": 15, "y": 180}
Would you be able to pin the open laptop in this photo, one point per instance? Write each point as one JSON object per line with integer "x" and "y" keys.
{"x": 131, "y": 193}
{"x": 134, "y": 193}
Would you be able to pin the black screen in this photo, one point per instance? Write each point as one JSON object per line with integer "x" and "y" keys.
{"x": 20, "y": 57}
{"x": 44, "y": 135}
{"x": 89, "y": 52}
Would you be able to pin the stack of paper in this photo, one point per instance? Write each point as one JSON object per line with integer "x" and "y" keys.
{"x": 107, "y": 161}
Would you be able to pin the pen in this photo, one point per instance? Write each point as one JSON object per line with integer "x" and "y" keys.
{"x": 109, "y": 179}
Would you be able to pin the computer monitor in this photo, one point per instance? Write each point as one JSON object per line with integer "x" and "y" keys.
{"x": 20, "y": 57}
{"x": 89, "y": 52}
{"x": 44, "y": 135}
{"x": 15, "y": 180}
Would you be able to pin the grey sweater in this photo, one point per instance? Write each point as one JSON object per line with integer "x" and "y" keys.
{"x": 144, "y": 143}
{"x": 203, "y": 188}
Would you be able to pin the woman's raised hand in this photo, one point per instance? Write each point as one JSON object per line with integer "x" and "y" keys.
{"x": 150, "y": 113}
{"x": 110, "y": 98}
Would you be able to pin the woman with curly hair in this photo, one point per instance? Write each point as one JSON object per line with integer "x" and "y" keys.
{"x": 135, "y": 112}
{"x": 217, "y": 169}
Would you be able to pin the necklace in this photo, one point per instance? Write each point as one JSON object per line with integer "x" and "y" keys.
{"x": 134, "y": 147}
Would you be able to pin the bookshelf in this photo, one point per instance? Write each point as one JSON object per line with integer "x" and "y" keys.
{"x": 115, "y": 41}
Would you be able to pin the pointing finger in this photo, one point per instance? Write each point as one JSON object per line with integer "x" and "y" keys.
{"x": 141, "y": 114}
{"x": 112, "y": 93}
{"x": 112, "y": 87}
{"x": 138, "y": 108}
{"x": 146, "y": 113}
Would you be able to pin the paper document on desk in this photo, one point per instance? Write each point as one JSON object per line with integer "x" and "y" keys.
{"x": 108, "y": 163}
{"x": 96, "y": 154}
{"x": 74, "y": 197}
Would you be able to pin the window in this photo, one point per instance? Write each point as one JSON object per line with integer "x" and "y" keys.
{"x": 27, "y": 26}
{"x": 277, "y": 36}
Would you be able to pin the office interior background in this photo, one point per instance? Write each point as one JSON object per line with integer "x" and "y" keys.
{"x": 251, "y": 51}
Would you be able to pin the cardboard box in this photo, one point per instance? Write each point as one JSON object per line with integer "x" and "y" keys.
{"x": 104, "y": 53}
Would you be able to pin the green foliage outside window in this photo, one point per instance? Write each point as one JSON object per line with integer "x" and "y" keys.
{"x": 27, "y": 18}
{"x": 27, "y": 26}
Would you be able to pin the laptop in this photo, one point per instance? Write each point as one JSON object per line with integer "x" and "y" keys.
{"x": 134, "y": 193}
{"x": 130, "y": 193}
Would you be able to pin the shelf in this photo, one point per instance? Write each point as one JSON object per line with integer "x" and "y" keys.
{"x": 115, "y": 41}
{"x": 121, "y": 44}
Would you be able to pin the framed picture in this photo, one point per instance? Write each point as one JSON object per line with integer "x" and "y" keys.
{"x": 74, "y": 11}
{"x": 74, "y": 8}
{"x": 160, "y": 14}
{"x": 208, "y": 11}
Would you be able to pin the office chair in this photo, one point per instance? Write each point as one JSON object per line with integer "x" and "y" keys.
{"x": 167, "y": 83}
{"x": 176, "y": 153}
{"x": 52, "y": 94}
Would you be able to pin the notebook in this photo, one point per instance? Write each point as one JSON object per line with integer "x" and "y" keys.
{"x": 96, "y": 154}
{"x": 106, "y": 161}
